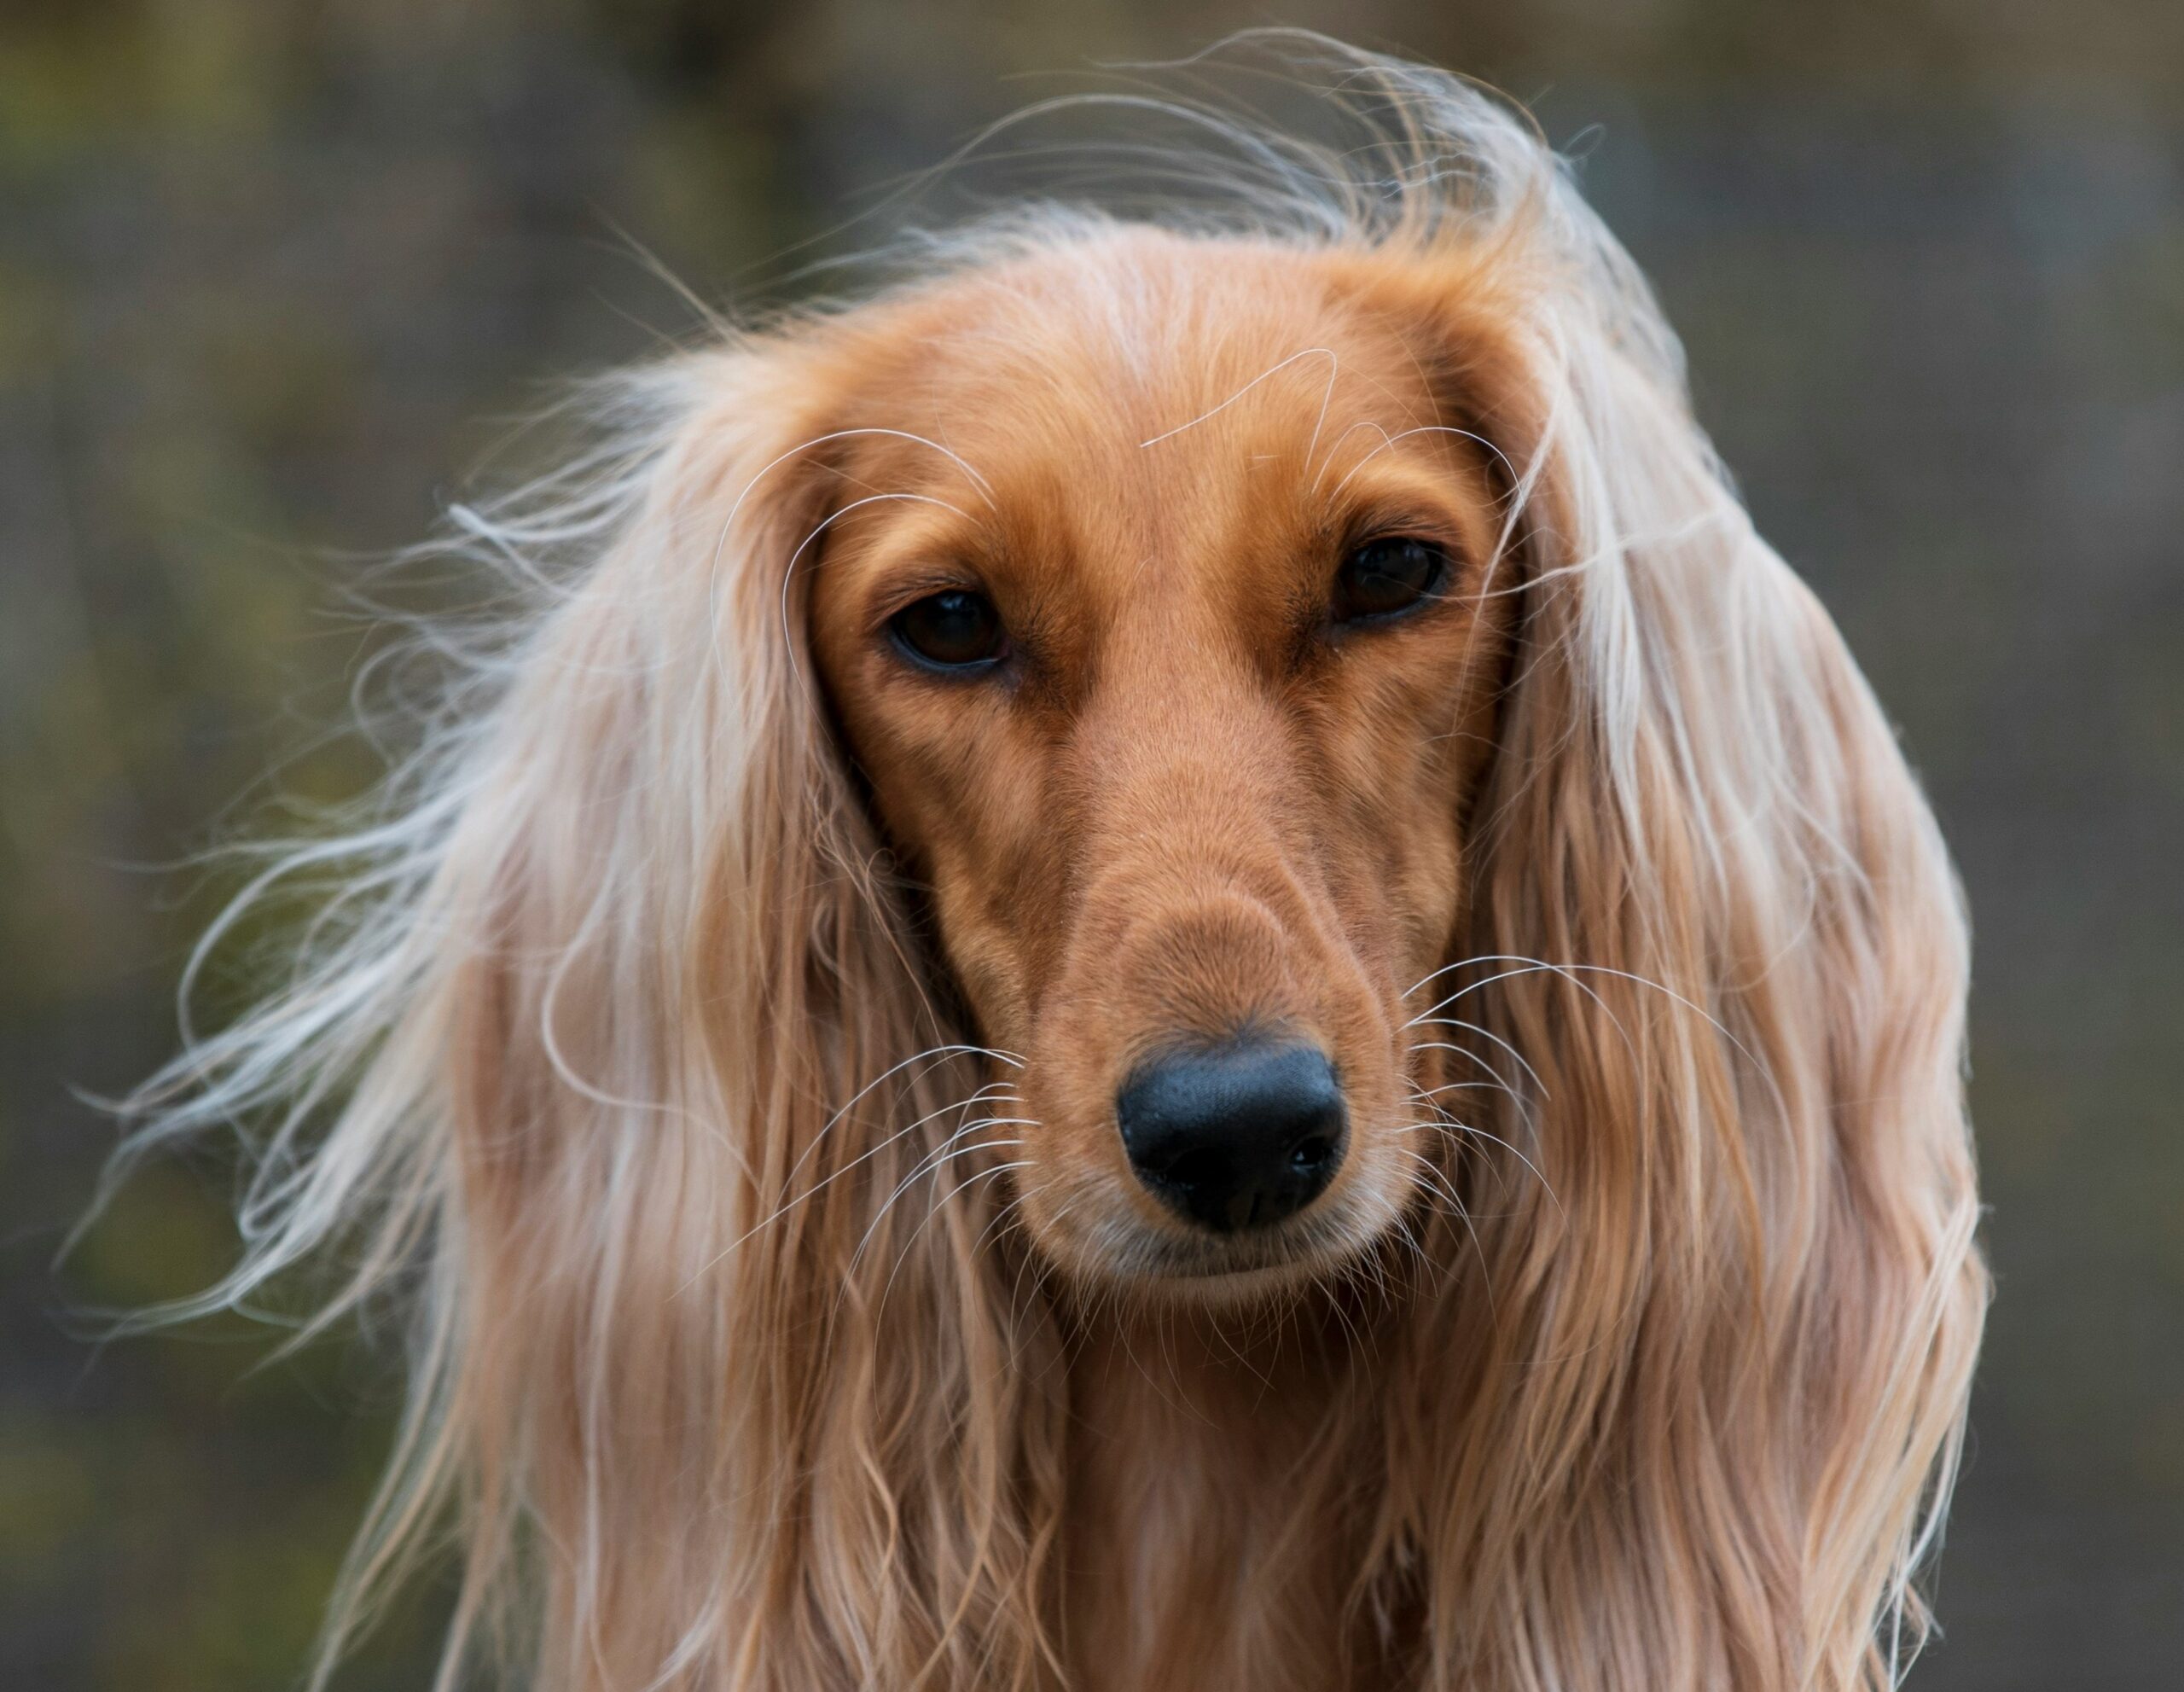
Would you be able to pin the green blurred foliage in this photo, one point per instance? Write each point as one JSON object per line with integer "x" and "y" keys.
{"x": 273, "y": 275}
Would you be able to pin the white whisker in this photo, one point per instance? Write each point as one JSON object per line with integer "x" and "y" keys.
{"x": 1309, "y": 352}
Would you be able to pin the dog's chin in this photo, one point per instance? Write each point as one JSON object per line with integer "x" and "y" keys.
{"x": 1148, "y": 1263}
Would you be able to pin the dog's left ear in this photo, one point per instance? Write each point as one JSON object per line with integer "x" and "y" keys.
{"x": 1739, "y": 1299}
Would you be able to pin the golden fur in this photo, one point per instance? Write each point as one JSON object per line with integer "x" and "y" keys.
{"x": 715, "y": 1042}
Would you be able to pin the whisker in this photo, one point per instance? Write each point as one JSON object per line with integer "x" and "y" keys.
{"x": 953, "y": 1193}
{"x": 1536, "y": 965}
{"x": 1463, "y": 1213}
{"x": 789, "y": 574}
{"x": 931, "y": 1165}
{"x": 790, "y": 1203}
{"x": 1309, "y": 352}
{"x": 1447, "y": 1121}
{"x": 1487, "y": 1034}
{"x": 728, "y": 523}
{"x": 1422, "y": 429}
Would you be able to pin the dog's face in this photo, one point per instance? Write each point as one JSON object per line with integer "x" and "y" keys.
{"x": 1167, "y": 637}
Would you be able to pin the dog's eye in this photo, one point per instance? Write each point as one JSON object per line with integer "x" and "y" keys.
{"x": 957, "y": 630}
{"x": 1387, "y": 577}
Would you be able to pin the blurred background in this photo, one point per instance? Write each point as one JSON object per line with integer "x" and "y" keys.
{"x": 274, "y": 277}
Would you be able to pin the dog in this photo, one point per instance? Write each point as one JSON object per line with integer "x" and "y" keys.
{"x": 1163, "y": 959}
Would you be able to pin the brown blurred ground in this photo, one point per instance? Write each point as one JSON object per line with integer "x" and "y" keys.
{"x": 273, "y": 276}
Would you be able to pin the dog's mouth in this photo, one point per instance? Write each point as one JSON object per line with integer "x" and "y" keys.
{"x": 1115, "y": 1248}
{"x": 1299, "y": 1247}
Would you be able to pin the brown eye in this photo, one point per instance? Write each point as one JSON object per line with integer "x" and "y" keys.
{"x": 1385, "y": 577}
{"x": 957, "y": 630}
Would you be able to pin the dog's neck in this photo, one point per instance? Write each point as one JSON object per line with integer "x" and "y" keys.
{"x": 1220, "y": 1510}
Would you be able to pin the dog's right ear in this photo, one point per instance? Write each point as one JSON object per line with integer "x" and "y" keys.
{"x": 648, "y": 806}
{"x": 605, "y": 1081}
{"x": 704, "y": 1120}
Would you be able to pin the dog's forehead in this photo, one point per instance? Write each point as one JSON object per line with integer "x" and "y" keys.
{"x": 1143, "y": 425}
{"x": 1145, "y": 366}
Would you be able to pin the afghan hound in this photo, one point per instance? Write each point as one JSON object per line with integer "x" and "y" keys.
{"x": 1159, "y": 957}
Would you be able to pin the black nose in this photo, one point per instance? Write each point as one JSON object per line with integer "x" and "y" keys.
{"x": 1239, "y": 1136}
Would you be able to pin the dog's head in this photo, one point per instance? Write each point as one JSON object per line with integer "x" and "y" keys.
{"x": 1165, "y": 601}
{"x": 1204, "y": 763}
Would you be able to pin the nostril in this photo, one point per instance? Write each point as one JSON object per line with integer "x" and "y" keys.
{"x": 1241, "y": 1135}
{"x": 1195, "y": 1169}
{"x": 1312, "y": 1153}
